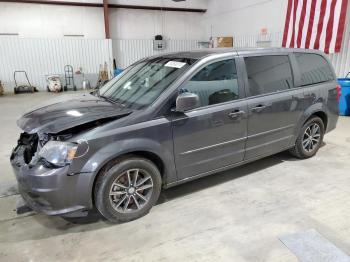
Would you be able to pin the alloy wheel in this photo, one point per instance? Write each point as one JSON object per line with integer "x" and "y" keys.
{"x": 131, "y": 191}
{"x": 311, "y": 137}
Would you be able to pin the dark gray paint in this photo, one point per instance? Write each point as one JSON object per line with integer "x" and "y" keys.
{"x": 190, "y": 145}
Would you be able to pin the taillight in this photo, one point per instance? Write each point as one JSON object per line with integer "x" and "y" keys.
{"x": 338, "y": 92}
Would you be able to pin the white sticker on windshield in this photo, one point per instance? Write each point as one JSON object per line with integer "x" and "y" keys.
{"x": 175, "y": 64}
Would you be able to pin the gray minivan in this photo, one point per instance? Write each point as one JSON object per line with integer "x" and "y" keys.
{"x": 169, "y": 119}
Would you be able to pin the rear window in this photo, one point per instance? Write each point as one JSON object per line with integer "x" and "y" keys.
{"x": 268, "y": 74}
{"x": 314, "y": 69}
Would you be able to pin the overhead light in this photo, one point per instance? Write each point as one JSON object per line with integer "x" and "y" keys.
{"x": 179, "y": 0}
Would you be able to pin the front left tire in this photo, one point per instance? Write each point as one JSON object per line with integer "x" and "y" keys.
{"x": 127, "y": 189}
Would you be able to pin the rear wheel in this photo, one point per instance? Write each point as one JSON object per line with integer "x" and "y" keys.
{"x": 310, "y": 138}
{"x": 127, "y": 189}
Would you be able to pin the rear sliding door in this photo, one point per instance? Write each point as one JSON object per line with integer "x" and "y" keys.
{"x": 273, "y": 113}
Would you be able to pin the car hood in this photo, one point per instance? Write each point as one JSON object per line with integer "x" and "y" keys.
{"x": 67, "y": 111}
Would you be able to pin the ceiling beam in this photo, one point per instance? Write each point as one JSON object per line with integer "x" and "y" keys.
{"x": 141, "y": 7}
{"x": 106, "y": 18}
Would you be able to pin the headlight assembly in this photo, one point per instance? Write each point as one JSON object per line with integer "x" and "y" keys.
{"x": 58, "y": 153}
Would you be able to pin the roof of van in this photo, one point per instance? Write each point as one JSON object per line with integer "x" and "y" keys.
{"x": 201, "y": 53}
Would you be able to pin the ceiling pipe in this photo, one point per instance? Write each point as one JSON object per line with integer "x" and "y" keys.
{"x": 140, "y": 7}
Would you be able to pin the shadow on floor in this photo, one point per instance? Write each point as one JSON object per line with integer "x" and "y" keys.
{"x": 60, "y": 226}
{"x": 222, "y": 177}
{"x": 200, "y": 184}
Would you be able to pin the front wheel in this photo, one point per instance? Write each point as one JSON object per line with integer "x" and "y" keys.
{"x": 310, "y": 139}
{"x": 127, "y": 189}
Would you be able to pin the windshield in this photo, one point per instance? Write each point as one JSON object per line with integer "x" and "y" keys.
{"x": 141, "y": 84}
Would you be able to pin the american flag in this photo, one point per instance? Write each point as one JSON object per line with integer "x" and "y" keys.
{"x": 315, "y": 24}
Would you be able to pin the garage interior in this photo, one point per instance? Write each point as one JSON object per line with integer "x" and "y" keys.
{"x": 248, "y": 213}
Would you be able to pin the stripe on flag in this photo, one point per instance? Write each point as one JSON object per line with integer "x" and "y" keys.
{"x": 315, "y": 24}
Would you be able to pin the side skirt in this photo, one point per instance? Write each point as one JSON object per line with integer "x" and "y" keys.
{"x": 224, "y": 168}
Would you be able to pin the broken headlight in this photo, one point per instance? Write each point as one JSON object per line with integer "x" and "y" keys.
{"x": 58, "y": 153}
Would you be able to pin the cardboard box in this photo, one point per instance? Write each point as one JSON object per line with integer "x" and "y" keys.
{"x": 223, "y": 41}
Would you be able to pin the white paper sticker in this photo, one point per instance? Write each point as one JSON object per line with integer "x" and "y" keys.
{"x": 175, "y": 64}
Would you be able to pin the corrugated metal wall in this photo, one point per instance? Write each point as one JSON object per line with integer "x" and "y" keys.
{"x": 40, "y": 57}
{"x": 341, "y": 61}
{"x": 127, "y": 51}
{"x": 268, "y": 40}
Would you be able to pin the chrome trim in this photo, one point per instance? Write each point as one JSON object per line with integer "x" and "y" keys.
{"x": 211, "y": 146}
{"x": 271, "y": 131}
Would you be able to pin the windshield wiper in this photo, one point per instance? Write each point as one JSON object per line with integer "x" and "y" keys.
{"x": 108, "y": 99}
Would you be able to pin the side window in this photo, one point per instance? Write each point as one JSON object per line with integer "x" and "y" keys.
{"x": 215, "y": 83}
{"x": 314, "y": 69}
{"x": 268, "y": 74}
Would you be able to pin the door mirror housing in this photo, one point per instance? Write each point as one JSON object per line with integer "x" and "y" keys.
{"x": 186, "y": 101}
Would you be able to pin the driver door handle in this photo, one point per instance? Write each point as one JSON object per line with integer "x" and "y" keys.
{"x": 235, "y": 114}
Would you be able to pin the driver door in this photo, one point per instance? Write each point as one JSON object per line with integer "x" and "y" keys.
{"x": 212, "y": 136}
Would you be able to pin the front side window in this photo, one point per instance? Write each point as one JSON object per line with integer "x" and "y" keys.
{"x": 215, "y": 83}
{"x": 143, "y": 82}
{"x": 268, "y": 74}
{"x": 314, "y": 69}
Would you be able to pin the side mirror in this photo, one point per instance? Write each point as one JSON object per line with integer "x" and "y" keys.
{"x": 186, "y": 101}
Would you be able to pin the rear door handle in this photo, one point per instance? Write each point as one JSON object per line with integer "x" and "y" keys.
{"x": 236, "y": 114}
{"x": 258, "y": 108}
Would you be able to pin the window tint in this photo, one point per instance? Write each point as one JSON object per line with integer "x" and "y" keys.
{"x": 314, "y": 69}
{"x": 215, "y": 83}
{"x": 268, "y": 74}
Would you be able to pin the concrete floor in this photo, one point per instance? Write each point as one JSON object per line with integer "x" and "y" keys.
{"x": 237, "y": 215}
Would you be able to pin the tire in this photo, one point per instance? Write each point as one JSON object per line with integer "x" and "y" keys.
{"x": 113, "y": 207}
{"x": 307, "y": 150}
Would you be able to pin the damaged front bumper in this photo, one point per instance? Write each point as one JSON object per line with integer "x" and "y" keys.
{"x": 49, "y": 190}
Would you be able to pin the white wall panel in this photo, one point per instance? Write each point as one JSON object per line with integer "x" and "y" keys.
{"x": 341, "y": 61}
{"x": 127, "y": 51}
{"x": 268, "y": 40}
{"x": 40, "y": 57}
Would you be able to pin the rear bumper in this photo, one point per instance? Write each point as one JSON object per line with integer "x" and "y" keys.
{"x": 332, "y": 122}
{"x": 50, "y": 191}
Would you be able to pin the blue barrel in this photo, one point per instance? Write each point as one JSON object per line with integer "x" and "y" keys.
{"x": 117, "y": 71}
{"x": 344, "y": 100}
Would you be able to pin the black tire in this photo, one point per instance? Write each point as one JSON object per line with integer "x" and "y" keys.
{"x": 298, "y": 150}
{"x": 115, "y": 170}
{"x": 48, "y": 89}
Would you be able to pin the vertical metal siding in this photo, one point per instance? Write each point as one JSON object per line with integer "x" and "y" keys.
{"x": 127, "y": 51}
{"x": 341, "y": 61}
{"x": 40, "y": 57}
